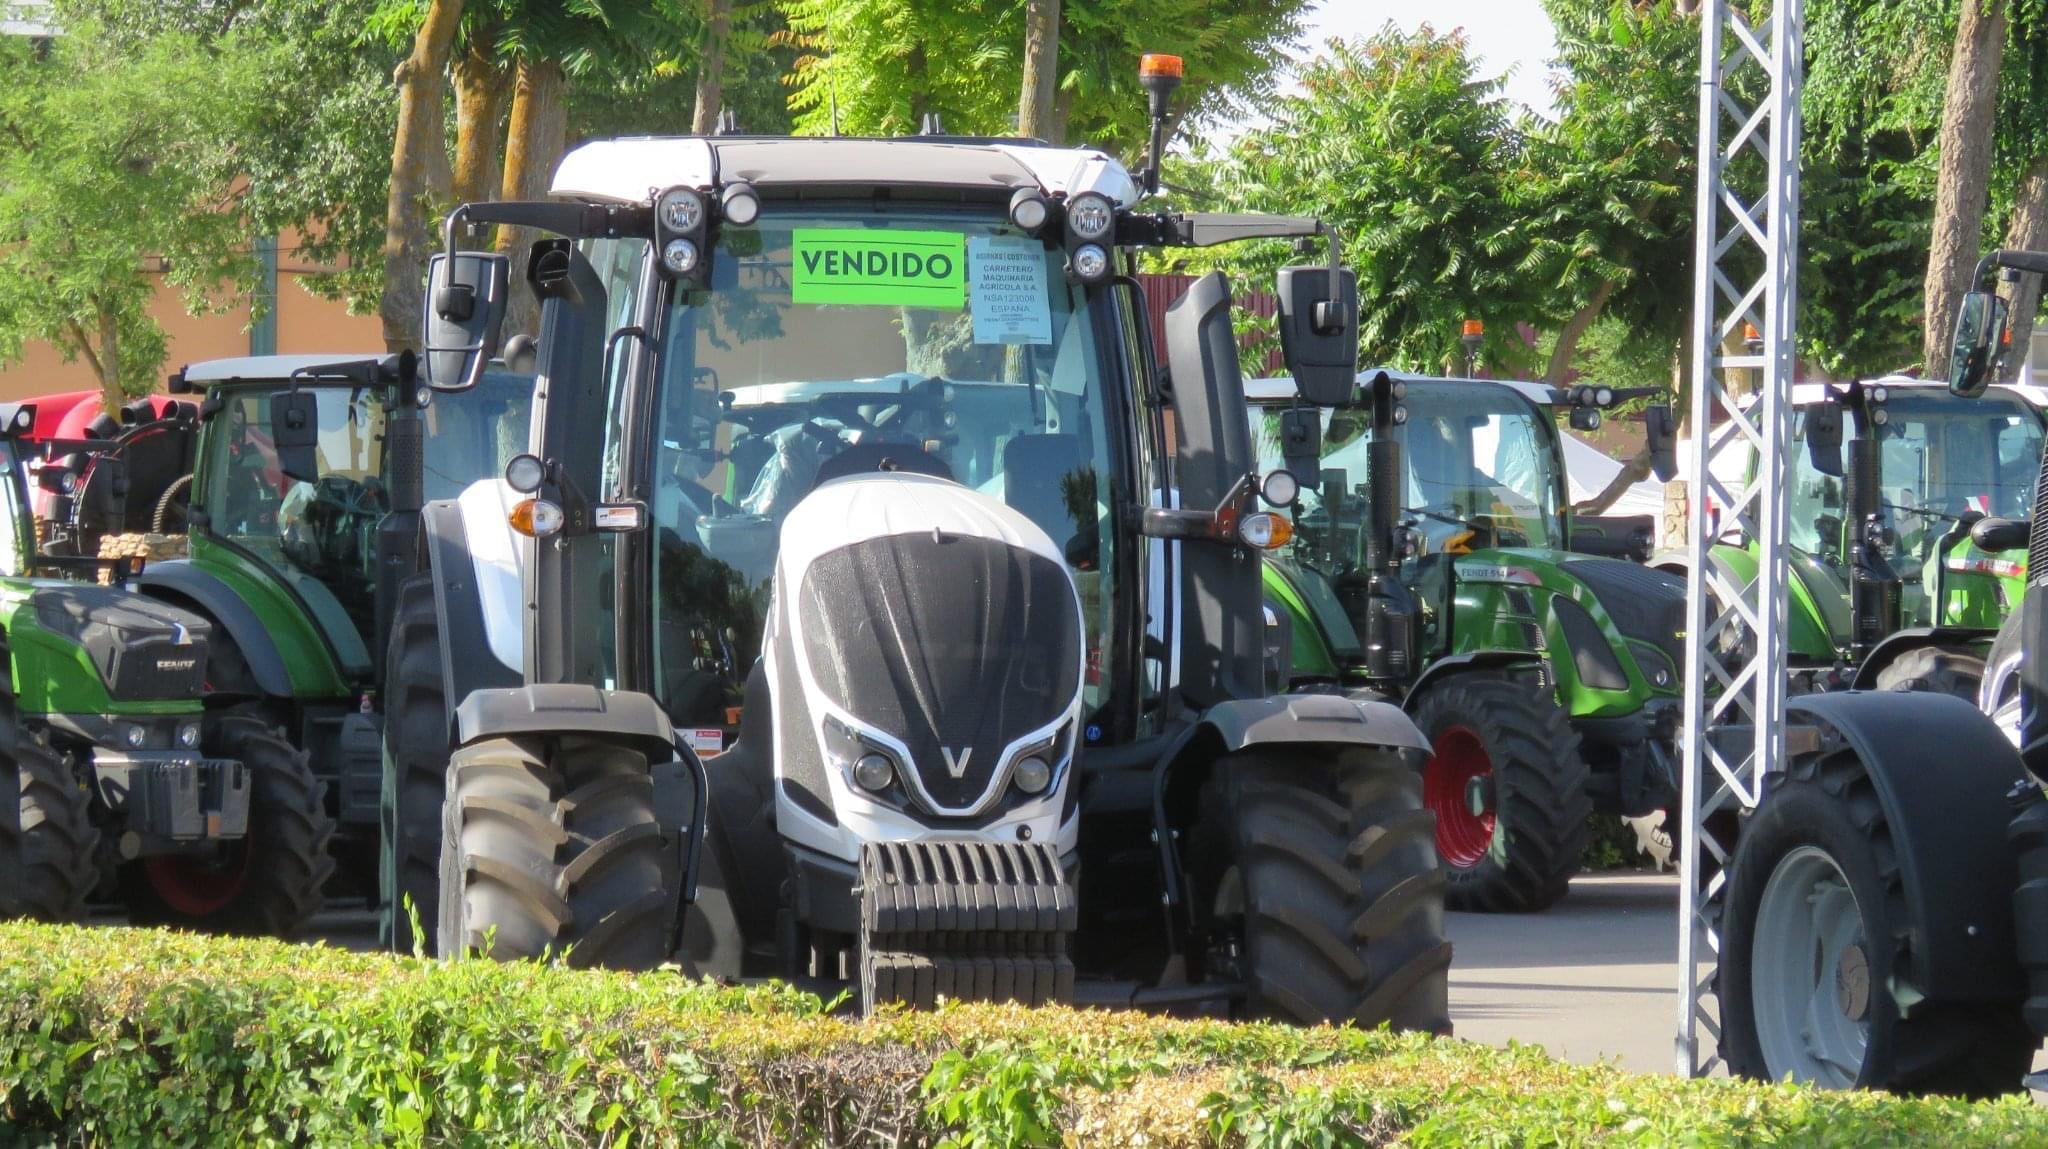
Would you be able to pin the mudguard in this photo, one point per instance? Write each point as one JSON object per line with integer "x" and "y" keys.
{"x": 625, "y": 717}
{"x": 216, "y": 600}
{"x": 1942, "y": 771}
{"x": 1469, "y": 661}
{"x": 1913, "y": 638}
{"x": 1299, "y": 719}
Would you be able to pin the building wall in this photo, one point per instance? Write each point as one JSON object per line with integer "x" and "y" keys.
{"x": 303, "y": 323}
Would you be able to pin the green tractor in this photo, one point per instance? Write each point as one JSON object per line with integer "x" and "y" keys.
{"x": 115, "y": 777}
{"x": 1434, "y": 558}
{"x": 303, "y": 515}
{"x": 1922, "y": 513}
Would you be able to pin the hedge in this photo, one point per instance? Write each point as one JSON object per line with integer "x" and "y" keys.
{"x": 131, "y": 1037}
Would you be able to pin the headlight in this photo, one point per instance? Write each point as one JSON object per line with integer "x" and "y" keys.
{"x": 681, "y": 210}
{"x": 1028, "y": 210}
{"x": 1033, "y": 775}
{"x": 188, "y": 735}
{"x": 1090, "y": 261}
{"x": 524, "y": 473}
{"x": 133, "y": 735}
{"x": 1089, "y": 217}
{"x": 1264, "y": 530}
{"x": 740, "y": 204}
{"x": 536, "y": 518}
{"x": 679, "y": 256}
{"x": 873, "y": 772}
{"x": 1280, "y": 487}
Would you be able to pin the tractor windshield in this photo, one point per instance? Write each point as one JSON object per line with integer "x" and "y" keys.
{"x": 1939, "y": 457}
{"x": 1478, "y": 457}
{"x": 942, "y": 343}
{"x": 318, "y": 535}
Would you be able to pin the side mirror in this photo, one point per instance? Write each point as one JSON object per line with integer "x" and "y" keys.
{"x": 1319, "y": 332}
{"x": 295, "y": 434}
{"x": 1996, "y": 536}
{"x": 1980, "y": 324}
{"x": 465, "y": 308}
{"x": 1660, "y": 429}
{"x": 1301, "y": 443}
{"x": 1824, "y": 438}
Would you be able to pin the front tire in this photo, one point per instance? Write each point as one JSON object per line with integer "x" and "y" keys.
{"x": 551, "y": 843}
{"x": 1809, "y": 943}
{"x": 266, "y": 883}
{"x": 1937, "y": 669}
{"x": 1515, "y": 738}
{"x": 416, "y": 754}
{"x": 47, "y": 839}
{"x": 1342, "y": 898}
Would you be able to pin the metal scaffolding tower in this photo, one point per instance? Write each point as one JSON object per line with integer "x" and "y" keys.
{"x": 1744, "y": 272}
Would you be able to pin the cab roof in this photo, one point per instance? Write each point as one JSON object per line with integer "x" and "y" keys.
{"x": 267, "y": 367}
{"x": 633, "y": 170}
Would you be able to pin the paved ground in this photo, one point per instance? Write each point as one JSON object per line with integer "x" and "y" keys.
{"x": 1593, "y": 978}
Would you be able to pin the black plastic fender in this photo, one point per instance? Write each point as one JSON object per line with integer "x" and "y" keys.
{"x": 628, "y": 718}
{"x": 1913, "y": 638}
{"x": 1319, "y": 719}
{"x": 179, "y": 579}
{"x": 1471, "y": 660}
{"x": 1941, "y": 770}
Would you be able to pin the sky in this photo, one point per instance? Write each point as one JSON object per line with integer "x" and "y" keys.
{"x": 1509, "y": 36}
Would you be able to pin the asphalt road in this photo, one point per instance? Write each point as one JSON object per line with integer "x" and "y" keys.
{"x": 1593, "y": 978}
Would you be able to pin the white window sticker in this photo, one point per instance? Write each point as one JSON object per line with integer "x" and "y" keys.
{"x": 1006, "y": 290}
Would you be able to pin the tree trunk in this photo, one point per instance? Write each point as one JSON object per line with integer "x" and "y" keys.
{"x": 1575, "y": 330}
{"x": 2028, "y": 231}
{"x": 1035, "y": 118}
{"x": 534, "y": 143}
{"x": 112, "y": 394}
{"x": 711, "y": 68}
{"x": 480, "y": 91}
{"x": 1967, "y": 116}
{"x": 405, "y": 232}
{"x": 440, "y": 175}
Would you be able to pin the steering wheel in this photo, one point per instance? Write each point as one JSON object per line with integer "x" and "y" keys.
{"x": 331, "y": 527}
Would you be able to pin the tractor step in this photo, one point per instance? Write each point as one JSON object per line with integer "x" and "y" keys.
{"x": 967, "y": 920}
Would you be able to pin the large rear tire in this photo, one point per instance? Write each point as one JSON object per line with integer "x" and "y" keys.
{"x": 47, "y": 839}
{"x": 1514, "y": 738}
{"x": 416, "y": 749}
{"x": 1342, "y": 898}
{"x": 1956, "y": 670}
{"x": 1811, "y": 931}
{"x": 266, "y": 883}
{"x": 551, "y": 844}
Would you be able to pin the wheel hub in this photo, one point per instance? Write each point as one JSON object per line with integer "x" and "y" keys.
{"x": 1479, "y": 795}
{"x": 1852, "y": 982}
{"x": 1458, "y": 787}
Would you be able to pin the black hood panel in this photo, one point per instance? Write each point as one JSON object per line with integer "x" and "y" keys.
{"x": 955, "y": 644}
{"x": 1645, "y": 603}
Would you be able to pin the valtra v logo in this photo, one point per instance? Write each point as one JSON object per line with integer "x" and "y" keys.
{"x": 956, "y": 765}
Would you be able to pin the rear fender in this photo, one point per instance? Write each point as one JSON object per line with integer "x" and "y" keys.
{"x": 1312, "y": 722}
{"x": 1900, "y": 643}
{"x": 1941, "y": 771}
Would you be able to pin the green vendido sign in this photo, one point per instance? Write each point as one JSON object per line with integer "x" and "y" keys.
{"x": 879, "y": 268}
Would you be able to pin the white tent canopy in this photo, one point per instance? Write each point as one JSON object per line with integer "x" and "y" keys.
{"x": 1588, "y": 470}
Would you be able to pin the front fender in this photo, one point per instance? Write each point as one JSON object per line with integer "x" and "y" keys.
{"x": 1326, "y": 721}
{"x": 187, "y": 584}
{"x": 467, "y": 594}
{"x": 1941, "y": 771}
{"x": 1471, "y": 660}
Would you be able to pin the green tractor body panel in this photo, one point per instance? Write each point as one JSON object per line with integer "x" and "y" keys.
{"x": 53, "y": 673}
{"x": 1819, "y": 615}
{"x": 308, "y": 637}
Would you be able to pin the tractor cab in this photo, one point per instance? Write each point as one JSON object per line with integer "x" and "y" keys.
{"x": 1433, "y": 553}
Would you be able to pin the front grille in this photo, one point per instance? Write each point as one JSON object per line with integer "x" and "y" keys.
{"x": 1646, "y": 604}
{"x": 2037, "y": 538}
{"x": 157, "y": 671}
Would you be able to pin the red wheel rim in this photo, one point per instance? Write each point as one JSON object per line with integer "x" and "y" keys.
{"x": 197, "y": 886}
{"x": 1462, "y": 837}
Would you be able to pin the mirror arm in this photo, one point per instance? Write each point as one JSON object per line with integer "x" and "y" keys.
{"x": 2034, "y": 261}
{"x": 569, "y": 220}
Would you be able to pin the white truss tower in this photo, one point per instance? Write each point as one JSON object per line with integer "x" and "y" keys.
{"x": 1744, "y": 272}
